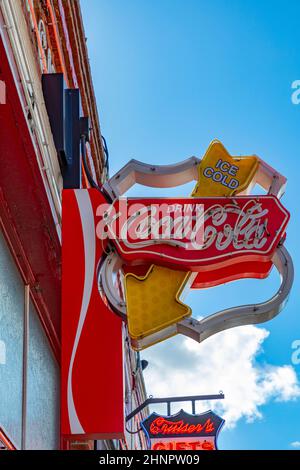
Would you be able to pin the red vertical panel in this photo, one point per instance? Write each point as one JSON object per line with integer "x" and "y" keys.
{"x": 92, "y": 358}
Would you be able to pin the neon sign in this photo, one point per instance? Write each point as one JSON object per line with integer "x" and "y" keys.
{"x": 183, "y": 431}
{"x": 164, "y": 426}
{"x": 179, "y": 444}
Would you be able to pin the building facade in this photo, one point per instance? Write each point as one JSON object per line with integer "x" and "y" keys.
{"x": 41, "y": 37}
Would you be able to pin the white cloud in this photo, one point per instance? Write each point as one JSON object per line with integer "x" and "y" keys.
{"x": 227, "y": 362}
{"x": 295, "y": 444}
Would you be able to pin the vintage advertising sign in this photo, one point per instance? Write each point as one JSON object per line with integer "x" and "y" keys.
{"x": 222, "y": 231}
{"x": 182, "y": 431}
{"x": 92, "y": 400}
{"x": 219, "y": 174}
{"x": 236, "y": 237}
{"x": 158, "y": 248}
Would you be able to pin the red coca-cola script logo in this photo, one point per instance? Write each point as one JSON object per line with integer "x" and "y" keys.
{"x": 239, "y": 229}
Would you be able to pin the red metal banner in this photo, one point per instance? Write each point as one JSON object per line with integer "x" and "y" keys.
{"x": 233, "y": 272}
{"x": 215, "y": 277}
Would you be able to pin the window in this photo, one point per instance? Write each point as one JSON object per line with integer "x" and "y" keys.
{"x": 29, "y": 376}
{"x": 11, "y": 337}
{"x": 42, "y": 413}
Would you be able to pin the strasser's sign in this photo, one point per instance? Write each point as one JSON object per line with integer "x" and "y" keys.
{"x": 182, "y": 431}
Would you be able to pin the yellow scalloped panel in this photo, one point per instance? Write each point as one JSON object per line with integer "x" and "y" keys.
{"x": 153, "y": 300}
{"x": 220, "y": 174}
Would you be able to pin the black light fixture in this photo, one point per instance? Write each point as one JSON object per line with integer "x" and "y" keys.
{"x": 144, "y": 364}
{"x": 64, "y": 110}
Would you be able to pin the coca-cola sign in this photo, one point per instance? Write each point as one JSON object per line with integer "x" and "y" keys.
{"x": 182, "y": 431}
{"x": 194, "y": 233}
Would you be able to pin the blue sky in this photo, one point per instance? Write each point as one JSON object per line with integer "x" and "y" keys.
{"x": 170, "y": 76}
